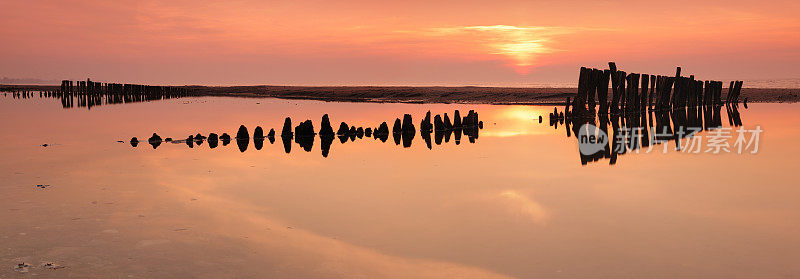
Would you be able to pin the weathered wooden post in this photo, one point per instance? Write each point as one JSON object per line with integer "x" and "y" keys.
{"x": 425, "y": 125}
{"x": 662, "y": 84}
{"x": 621, "y": 75}
{"x": 614, "y": 86}
{"x": 632, "y": 103}
{"x": 583, "y": 84}
{"x": 287, "y": 128}
{"x": 739, "y": 90}
{"x": 678, "y": 87}
{"x": 690, "y": 88}
{"x": 652, "y": 92}
{"x": 730, "y": 92}
{"x": 698, "y": 97}
{"x": 657, "y": 94}
{"x": 704, "y": 97}
{"x": 645, "y": 86}
{"x": 602, "y": 91}
{"x": 629, "y": 95}
{"x": 594, "y": 77}
{"x": 708, "y": 99}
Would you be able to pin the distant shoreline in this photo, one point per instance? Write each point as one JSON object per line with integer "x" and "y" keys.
{"x": 427, "y": 94}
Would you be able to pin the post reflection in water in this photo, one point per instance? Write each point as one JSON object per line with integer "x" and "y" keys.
{"x": 638, "y": 130}
{"x": 404, "y": 132}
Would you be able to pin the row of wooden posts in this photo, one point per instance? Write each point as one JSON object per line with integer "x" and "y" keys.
{"x": 150, "y": 92}
{"x": 634, "y": 92}
{"x": 304, "y": 134}
{"x": 90, "y": 93}
{"x": 25, "y": 94}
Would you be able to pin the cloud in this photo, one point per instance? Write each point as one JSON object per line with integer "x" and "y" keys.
{"x": 521, "y": 204}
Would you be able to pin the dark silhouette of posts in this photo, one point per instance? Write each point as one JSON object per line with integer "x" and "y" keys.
{"x": 602, "y": 91}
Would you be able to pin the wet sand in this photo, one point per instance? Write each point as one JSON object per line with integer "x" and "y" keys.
{"x": 409, "y": 94}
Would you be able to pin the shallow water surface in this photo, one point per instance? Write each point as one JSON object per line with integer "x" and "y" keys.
{"x": 518, "y": 202}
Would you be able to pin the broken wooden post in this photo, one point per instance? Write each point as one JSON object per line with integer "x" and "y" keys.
{"x": 425, "y": 125}
{"x": 634, "y": 98}
{"x": 602, "y": 91}
{"x": 645, "y": 80}
{"x": 618, "y": 102}
{"x": 677, "y": 90}
{"x": 583, "y": 80}
{"x": 737, "y": 90}
{"x": 650, "y": 95}
{"x": 408, "y": 125}
{"x": 594, "y": 77}
{"x": 614, "y": 86}
{"x": 325, "y": 126}
{"x": 730, "y": 92}
{"x": 287, "y": 128}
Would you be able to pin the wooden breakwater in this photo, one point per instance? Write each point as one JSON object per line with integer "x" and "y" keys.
{"x": 89, "y": 93}
{"x": 644, "y": 109}
{"x": 636, "y": 92}
{"x": 403, "y": 132}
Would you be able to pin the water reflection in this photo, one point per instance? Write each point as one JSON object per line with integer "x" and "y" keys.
{"x": 403, "y": 132}
{"x": 637, "y": 130}
{"x": 520, "y": 195}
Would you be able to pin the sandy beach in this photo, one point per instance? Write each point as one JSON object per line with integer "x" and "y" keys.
{"x": 434, "y": 94}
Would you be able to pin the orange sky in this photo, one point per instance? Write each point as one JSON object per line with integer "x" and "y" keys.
{"x": 357, "y": 42}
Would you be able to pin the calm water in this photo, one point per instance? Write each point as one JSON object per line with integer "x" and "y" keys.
{"x": 518, "y": 202}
